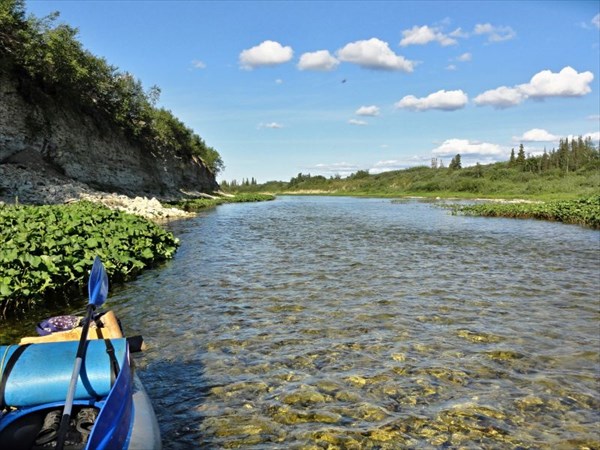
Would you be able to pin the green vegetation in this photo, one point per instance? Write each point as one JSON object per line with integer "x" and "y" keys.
{"x": 49, "y": 63}
{"x": 46, "y": 251}
{"x": 203, "y": 203}
{"x": 569, "y": 172}
{"x": 584, "y": 211}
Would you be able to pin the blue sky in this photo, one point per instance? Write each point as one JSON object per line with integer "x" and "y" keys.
{"x": 330, "y": 88}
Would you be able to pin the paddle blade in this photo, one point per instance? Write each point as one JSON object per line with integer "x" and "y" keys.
{"x": 98, "y": 283}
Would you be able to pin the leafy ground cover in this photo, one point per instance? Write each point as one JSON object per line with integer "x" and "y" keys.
{"x": 585, "y": 211}
{"x": 46, "y": 251}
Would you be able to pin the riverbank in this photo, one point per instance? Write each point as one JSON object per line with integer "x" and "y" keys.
{"x": 52, "y": 227}
{"x": 24, "y": 184}
{"x": 584, "y": 212}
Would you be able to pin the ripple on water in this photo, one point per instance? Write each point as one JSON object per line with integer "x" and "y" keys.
{"x": 310, "y": 323}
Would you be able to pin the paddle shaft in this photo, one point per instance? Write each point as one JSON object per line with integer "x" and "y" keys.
{"x": 66, "y": 417}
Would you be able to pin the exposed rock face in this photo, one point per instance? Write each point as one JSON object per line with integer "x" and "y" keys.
{"x": 87, "y": 150}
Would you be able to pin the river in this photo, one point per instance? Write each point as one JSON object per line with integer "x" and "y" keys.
{"x": 326, "y": 322}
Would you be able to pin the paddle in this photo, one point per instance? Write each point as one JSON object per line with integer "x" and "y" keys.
{"x": 97, "y": 291}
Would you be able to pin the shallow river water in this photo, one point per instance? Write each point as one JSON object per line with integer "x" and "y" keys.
{"x": 318, "y": 322}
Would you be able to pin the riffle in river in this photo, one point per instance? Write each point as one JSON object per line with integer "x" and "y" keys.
{"x": 344, "y": 323}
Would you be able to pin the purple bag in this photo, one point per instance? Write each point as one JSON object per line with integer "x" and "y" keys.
{"x": 58, "y": 323}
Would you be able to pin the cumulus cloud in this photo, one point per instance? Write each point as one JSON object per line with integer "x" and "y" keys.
{"x": 272, "y": 125}
{"x": 495, "y": 33}
{"x": 444, "y": 100}
{"x": 357, "y": 122}
{"x": 502, "y": 97}
{"x": 566, "y": 83}
{"x": 368, "y": 110}
{"x": 268, "y": 53}
{"x": 374, "y": 54}
{"x": 596, "y": 21}
{"x": 424, "y": 35}
{"x": 536, "y": 135}
{"x": 451, "y": 147}
{"x": 320, "y": 60}
{"x": 451, "y": 67}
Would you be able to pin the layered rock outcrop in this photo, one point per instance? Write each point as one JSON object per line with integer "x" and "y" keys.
{"x": 85, "y": 149}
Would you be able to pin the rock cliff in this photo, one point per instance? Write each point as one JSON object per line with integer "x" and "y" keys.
{"x": 41, "y": 132}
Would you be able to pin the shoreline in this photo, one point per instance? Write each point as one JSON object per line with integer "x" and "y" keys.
{"x": 20, "y": 184}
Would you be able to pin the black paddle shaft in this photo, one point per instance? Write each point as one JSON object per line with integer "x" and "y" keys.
{"x": 66, "y": 417}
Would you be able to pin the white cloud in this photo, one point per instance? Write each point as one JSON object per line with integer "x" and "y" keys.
{"x": 342, "y": 169}
{"x": 399, "y": 164}
{"x": 451, "y": 67}
{"x": 465, "y": 57}
{"x": 272, "y": 125}
{"x": 595, "y": 136}
{"x": 374, "y": 54}
{"x": 198, "y": 64}
{"x": 596, "y": 21}
{"x": 424, "y": 35}
{"x": 278, "y": 81}
{"x": 458, "y": 33}
{"x": 502, "y": 97}
{"x": 368, "y": 111}
{"x": 444, "y": 100}
{"x": 268, "y": 53}
{"x": 594, "y": 117}
{"x": 566, "y": 83}
{"x": 451, "y": 147}
{"x": 495, "y": 33}
{"x": 357, "y": 122}
{"x": 536, "y": 135}
{"x": 320, "y": 60}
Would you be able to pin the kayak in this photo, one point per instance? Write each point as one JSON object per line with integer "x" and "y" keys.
{"x": 109, "y": 410}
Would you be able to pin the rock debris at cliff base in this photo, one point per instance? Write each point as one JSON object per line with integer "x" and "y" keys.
{"x": 20, "y": 184}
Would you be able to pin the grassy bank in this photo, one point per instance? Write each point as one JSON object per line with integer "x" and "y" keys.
{"x": 203, "y": 203}
{"x": 585, "y": 212}
{"x": 498, "y": 180}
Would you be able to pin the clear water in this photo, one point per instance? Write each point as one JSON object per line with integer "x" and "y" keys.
{"x": 318, "y": 322}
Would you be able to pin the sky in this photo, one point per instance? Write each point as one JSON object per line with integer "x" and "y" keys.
{"x": 332, "y": 87}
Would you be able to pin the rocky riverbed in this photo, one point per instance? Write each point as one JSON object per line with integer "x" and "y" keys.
{"x": 21, "y": 183}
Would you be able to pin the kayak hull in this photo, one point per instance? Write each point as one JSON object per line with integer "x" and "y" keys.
{"x": 33, "y": 386}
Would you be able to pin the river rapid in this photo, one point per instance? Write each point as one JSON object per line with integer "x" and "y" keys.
{"x": 344, "y": 323}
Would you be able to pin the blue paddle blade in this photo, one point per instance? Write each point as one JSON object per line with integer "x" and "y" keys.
{"x": 98, "y": 283}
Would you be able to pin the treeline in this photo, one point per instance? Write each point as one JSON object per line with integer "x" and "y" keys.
{"x": 571, "y": 171}
{"x": 47, "y": 58}
{"x": 570, "y": 156}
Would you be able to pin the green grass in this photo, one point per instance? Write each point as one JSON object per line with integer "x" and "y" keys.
{"x": 585, "y": 211}
{"x": 491, "y": 181}
{"x": 203, "y": 203}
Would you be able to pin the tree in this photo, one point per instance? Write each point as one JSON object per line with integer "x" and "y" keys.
{"x": 512, "y": 161}
{"x": 455, "y": 164}
{"x": 520, "y": 161}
